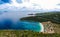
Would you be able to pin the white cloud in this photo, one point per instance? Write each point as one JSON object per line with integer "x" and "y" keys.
{"x": 33, "y": 5}
{"x": 13, "y": 9}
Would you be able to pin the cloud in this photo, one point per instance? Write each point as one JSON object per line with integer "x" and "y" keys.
{"x": 13, "y": 9}
{"x": 31, "y": 5}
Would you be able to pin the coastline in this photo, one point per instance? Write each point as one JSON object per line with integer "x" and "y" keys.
{"x": 42, "y": 27}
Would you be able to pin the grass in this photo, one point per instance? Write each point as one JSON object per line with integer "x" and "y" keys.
{"x": 23, "y": 33}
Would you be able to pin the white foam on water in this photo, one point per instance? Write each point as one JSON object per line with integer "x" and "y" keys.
{"x": 42, "y": 27}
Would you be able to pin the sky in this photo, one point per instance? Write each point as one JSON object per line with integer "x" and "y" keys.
{"x": 11, "y": 9}
{"x": 30, "y": 5}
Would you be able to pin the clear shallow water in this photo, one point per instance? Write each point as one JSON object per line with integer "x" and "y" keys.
{"x": 20, "y": 25}
{"x": 11, "y": 20}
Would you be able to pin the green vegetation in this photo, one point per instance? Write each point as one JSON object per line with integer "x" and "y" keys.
{"x": 22, "y": 33}
{"x": 53, "y": 17}
{"x": 43, "y": 17}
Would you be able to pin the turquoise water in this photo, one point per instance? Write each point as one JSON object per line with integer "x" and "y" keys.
{"x": 20, "y": 25}
{"x": 34, "y": 26}
{"x": 11, "y": 20}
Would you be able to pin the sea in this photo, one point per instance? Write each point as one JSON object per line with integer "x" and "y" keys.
{"x": 11, "y": 20}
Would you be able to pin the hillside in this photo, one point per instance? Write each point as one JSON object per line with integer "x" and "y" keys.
{"x": 22, "y": 33}
{"x": 42, "y": 17}
{"x": 54, "y": 17}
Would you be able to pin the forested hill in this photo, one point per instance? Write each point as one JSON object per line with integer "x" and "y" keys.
{"x": 46, "y": 16}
